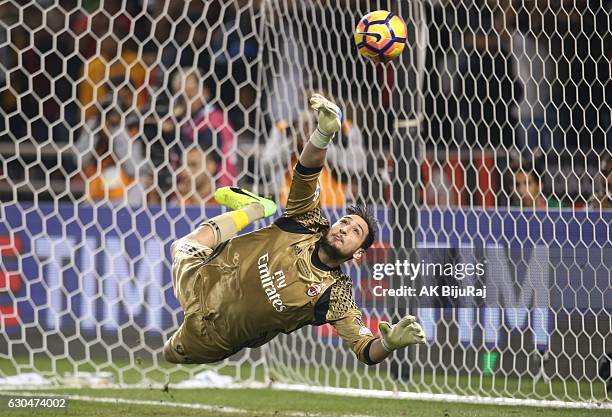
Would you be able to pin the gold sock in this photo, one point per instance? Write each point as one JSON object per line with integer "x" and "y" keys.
{"x": 225, "y": 226}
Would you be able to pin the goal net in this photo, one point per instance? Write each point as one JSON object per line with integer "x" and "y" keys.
{"x": 486, "y": 143}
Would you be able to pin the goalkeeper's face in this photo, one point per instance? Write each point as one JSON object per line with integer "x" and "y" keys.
{"x": 345, "y": 237}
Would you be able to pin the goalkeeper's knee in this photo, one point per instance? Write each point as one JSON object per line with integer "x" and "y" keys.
{"x": 169, "y": 354}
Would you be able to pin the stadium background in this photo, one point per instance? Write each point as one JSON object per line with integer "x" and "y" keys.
{"x": 104, "y": 163}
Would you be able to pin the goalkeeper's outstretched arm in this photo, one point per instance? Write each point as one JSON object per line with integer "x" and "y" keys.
{"x": 372, "y": 350}
{"x": 406, "y": 332}
{"x": 329, "y": 121}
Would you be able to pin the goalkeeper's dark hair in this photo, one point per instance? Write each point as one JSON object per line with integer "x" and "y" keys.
{"x": 367, "y": 214}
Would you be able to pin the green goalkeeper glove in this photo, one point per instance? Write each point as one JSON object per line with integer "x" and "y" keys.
{"x": 329, "y": 120}
{"x": 406, "y": 332}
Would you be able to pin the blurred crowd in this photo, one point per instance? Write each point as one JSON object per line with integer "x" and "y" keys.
{"x": 161, "y": 102}
{"x": 135, "y": 88}
{"x": 530, "y": 77}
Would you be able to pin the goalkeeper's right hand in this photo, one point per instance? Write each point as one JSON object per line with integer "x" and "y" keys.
{"x": 406, "y": 332}
{"x": 329, "y": 120}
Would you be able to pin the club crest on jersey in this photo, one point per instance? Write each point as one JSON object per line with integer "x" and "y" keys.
{"x": 313, "y": 290}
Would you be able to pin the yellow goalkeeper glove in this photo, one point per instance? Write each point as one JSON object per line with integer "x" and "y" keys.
{"x": 406, "y": 332}
{"x": 329, "y": 121}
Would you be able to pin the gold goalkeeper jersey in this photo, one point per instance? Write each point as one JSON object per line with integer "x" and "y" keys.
{"x": 259, "y": 284}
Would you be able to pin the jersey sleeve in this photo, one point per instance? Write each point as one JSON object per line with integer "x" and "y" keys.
{"x": 344, "y": 315}
{"x": 356, "y": 334}
{"x": 304, "y": 191}
{"x": 303, "y": 203}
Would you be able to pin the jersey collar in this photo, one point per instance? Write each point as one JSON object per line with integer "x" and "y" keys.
{"x": 317, "y": 262}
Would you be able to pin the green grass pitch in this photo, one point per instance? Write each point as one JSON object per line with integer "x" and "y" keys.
{"x": 266, "y": 402}
{"x": 276, "y": 403}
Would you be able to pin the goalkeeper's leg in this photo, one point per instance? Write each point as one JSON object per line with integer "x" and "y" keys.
{"x": 247, "y": 207}
{"x": 187, "y": 344}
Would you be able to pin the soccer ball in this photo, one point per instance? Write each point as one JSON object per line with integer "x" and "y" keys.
{"x": 380, "y": 36}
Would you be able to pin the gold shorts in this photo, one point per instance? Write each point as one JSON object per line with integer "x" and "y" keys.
{"x": 188, "y": 259}
{"x": 193, "y": 342}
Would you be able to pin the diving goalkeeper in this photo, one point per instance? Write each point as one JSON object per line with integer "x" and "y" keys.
{"x": 241, "y": 291}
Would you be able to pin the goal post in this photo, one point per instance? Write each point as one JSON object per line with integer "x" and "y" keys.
{"x": 486, "y": 143}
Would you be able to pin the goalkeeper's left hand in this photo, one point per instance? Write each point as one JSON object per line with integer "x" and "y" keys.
{"x": 406, "y": 332}
{"x": 329, "y": 120}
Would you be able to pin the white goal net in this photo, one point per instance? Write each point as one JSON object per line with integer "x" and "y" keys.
{"x": 488, "y": 139}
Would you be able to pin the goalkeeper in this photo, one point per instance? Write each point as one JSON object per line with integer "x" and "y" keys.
{"x": 241, "y": 291}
